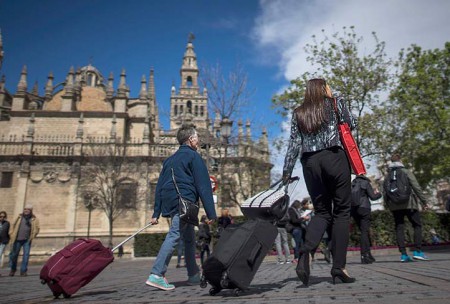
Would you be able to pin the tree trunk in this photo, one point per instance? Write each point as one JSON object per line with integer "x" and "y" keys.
{"x": 111, "y": 221}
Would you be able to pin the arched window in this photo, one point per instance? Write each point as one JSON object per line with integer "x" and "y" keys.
{"x": 189, "y": 106}
{"x": 202, "y": 111}
{"x": 189, "y": 81}
{"x": 196, "y": 111}
{"x": 175, "y": 110}
{"x": 181, "y": 109}
{"x": 90, "y": 79}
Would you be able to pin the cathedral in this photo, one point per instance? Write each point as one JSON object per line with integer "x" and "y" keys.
{"x": 87, "y": 155}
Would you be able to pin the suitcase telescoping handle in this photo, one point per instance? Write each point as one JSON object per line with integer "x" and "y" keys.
{"x": 131, "y": 236}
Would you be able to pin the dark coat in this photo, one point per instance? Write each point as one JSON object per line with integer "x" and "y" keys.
{"x": 4, "y": 236}
{"x": 204, "y": 233}
{"x": 192, "y": 178}
{"x": 367, "y": 192}
{"x": 417, "y": 194}
{"x": 295, "y": 219}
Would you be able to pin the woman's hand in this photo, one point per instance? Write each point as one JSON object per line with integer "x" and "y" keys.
{"x": 328, "y": 92}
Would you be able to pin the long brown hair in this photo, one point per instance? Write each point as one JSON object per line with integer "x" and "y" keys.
{"x": 311, "y": 114}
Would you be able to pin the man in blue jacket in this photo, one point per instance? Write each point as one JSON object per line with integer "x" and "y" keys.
{"x": 192, "y": 178}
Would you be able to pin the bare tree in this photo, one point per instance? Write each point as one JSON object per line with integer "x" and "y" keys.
{"x": 247, "y": 179}
{"x": 111, "y": 180}
{"x": 227, "y": 94}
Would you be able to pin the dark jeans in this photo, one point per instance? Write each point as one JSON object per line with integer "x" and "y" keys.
{"x": 414, "y": 218}
{"x": 205, "y": 248}
{"x": 327, "y": 178}
{"x": 297, "y": 235}
{"x": 14, "y": 255}
{"x": 362, "y": 219}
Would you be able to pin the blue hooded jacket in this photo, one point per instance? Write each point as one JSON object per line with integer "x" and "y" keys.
{"x": 192, "y": 178}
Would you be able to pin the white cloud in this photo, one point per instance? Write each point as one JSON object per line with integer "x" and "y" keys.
{"x": 285, "y": 26}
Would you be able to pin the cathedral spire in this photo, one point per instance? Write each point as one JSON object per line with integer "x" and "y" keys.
{"x": 110, "y": 88}
{"x": 151, "y": 85}
{"x": 143, "y": 93}
{"x": 22, "y": 86}
{"x": 122, "y": 90}
{"x": 35, "y": 90}
{"x": 68, "y": 88}
{"x": 49, "y": 87}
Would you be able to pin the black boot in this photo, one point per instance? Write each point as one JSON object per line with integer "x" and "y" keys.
{"x": 365, "y": 259}
{"x": 302, "y": 268}
{"x": 371, "y": 257}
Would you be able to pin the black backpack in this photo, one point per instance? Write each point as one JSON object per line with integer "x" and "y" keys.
{"x": 356, "y": 192}
{"x": 396, "y": 186}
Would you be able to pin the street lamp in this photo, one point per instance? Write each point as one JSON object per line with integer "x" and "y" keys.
{"x": 225, "y": 131}
{"x": 89, "y": 206}
{"x": 225, "y": 128}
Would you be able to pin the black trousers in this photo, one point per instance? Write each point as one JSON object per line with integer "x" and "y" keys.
{"x": 362, "y": 219}
{"x": 327, "y": 178}
{"x": 414, "y": 218}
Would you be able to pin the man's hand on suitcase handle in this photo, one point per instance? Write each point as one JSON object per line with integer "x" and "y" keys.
{"x": 154, "y": 221}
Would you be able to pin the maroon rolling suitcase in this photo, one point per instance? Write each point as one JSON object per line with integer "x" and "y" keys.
{"x": 77, "y": 264}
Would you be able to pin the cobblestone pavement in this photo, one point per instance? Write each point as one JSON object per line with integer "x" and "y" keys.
{"x": 386, "y": 281}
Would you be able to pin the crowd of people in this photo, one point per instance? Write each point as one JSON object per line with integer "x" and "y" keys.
{"x": 322, "y": 220}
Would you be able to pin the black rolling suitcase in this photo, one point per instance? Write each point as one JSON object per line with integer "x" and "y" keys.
{"x": 238, "y": 255}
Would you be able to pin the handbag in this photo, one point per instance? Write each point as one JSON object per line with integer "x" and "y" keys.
{"x": 270, "y": 204}
{"x": 188, "y": 210}
{"x": 349, "y": 144}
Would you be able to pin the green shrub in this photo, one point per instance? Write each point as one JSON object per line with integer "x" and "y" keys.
{"x": 382, "y": 232}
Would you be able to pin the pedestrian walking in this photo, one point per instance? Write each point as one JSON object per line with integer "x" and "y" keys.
{"x": 281, "y": 242}
{"x": 204, "y": 238}
{"x": 402, "y": 194}
{"x": 315, "y": 140}
{"x": 24, "y": 230}
{"x": 4, "y": 234}
{"x": 298, "y": 224}
{"x": 223, "y": 221}
{"x": 192, "y": 178}
{"x": 120, "y": 251}
{"x": 362, "y": 193}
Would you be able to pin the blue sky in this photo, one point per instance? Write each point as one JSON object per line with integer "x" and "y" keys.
{"x": 135, "y": 35}
{"x": 266, "y": 37}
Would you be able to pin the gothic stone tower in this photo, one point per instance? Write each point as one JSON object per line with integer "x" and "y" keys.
{"x": 189, "y": 105}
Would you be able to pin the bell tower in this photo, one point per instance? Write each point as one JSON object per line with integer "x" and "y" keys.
{"x": 189, "y": 104}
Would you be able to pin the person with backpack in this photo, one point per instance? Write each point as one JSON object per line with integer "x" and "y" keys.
{"x": 362, "y": 193}
{"x": 401, "y": 191}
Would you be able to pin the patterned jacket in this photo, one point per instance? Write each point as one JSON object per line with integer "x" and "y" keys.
{"x": 327, "y": 137}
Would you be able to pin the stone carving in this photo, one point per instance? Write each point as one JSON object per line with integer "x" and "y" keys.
{"x": 36, "y": 176}
{"x": 50, "y": 176}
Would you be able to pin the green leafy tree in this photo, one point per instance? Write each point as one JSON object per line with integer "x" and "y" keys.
{"x": 356, "y": 73}
{"x": 415, "y": 119}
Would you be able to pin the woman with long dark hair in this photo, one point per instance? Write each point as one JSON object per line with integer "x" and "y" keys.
{"x": 315, "y": 139}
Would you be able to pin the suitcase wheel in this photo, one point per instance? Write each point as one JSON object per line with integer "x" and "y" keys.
{"x": 224, "y": 282}
{"x": 203, "y": 283}
{"x": 237, "y": 292}
{"x": 66, "y": 296}
{"x": 43, "y": 282}
{"x": 56, "y": 295}
{"x": 213, "y": 291}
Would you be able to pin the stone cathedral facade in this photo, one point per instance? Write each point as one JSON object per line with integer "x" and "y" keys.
{"x": 48, "y": 142}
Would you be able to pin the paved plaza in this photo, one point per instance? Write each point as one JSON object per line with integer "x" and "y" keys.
{"x": 386, "y": 281}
